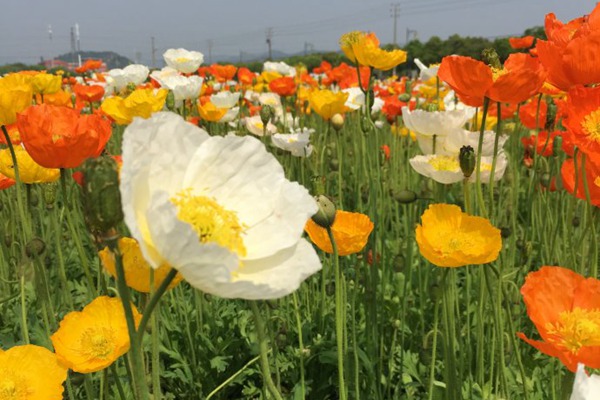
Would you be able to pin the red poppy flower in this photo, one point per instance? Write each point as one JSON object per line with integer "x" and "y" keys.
{"x": 543, "y": 143}
{"x": 6, "y": 182}
{"x": 88, "y": 66}
{"x": 245, "y": 76}
{"x": 223, "y": 73}
{"x": 529, "y": 111}
{"x": 570, "y": 53}
{"x": 583, "y": 119}
{"x": 592, "y": 175}
{"x": 284, "y": 86}
{"x": 88, "y": 93}
{"x": 524, "y": 42}
{"x": 565, "y": 308}
{"x": 507, "y": 111}
{"x": 472, "y": 80}
{"x": 59, "y": 137}
{"x": 323, "y": 68}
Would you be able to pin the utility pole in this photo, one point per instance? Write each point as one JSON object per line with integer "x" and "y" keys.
{"x": 50, "y": 37}
{"x": 209, "y": 43}
{"x": 409, "y": 33}
{"x": 73, "y": 45}
{"x": 395, "y": 12}
{"x": 153, "y": 52}
{"x": 308, "y": 48}
{"x": 269, "y": 35}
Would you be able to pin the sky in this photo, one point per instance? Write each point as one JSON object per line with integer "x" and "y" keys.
{"x": 238, "y": 28}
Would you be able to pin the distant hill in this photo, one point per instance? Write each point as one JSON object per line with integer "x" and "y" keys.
{"x": 112, "y": 59}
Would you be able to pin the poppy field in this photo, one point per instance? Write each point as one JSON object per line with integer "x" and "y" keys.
{"x": 345, "y": 232}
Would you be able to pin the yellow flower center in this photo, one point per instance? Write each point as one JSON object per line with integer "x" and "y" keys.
{"x": 98, "y": 342}
{"x": 576, "y": 329}
{"x": 597, "y": 181}
{"x": 350, "y": 38}
{"x": 13, "y": 387}
{"x": 591, "y": 125}
{"x": 497, "y": 73}
{"x": 182, "y": 60}
{"x": 211, "y": 221}
{"x": 444, "y": 163}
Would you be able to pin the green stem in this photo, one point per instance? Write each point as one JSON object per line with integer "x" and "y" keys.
{"x": 153, "y": 302}
{"x": 300, "y": 344}
{"x": 264, "y": 351}
{"x": 480, "y": 201}
{"x": 339, "y": 315}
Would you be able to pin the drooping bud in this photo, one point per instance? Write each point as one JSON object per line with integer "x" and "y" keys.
{"x": 405, "y": 196}
{"x": 490, "y": 57}
{"x": 326, "y": 214}
{"x": 337, "y": 121}
{"x": 266, "y": 114}
{"x": 170, "y": 101}
{"x": 467, "y": 161}
{"x": 101, "y": 196}
{"x": 49, "y": 194}
{"x": 35, "y": 247}
{"x": 550, "y": 114}
{"x": 404, "y": 97}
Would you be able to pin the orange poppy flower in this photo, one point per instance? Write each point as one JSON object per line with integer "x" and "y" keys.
{"x": 6, "y": 182}
{"x": 223, "y": 73}
{"x": 88, "y": 93}
{"x": 209, "y": 112}
{"x": 524, "y": 42}
{"x": 92, "y": 339}
{"x": 583, "y": 119}
{"x": 59, "y": 137}
{"x": 60, "y": 98}
{"x": 570, "y": 53}
{"x": 565, "y": 308}
{"x": 350, "y": 231}
{"x": 322, "y": 68}
{"x": 472, "y": 80}
{"x": 284, "y": 86}
{"x": 13, "y": 134}
{"x": 542, "y": 142}
{"x": 592, "y": 175}
{"x": 89, "y": 65}
{"x": 507, "y": 110}
{"x": 245, "y": 76}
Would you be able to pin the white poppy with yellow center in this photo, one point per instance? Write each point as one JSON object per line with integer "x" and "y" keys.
{"x": 218, "y": 209}
{"x": 446, "y": 168}
{"x": 183, "y": 60}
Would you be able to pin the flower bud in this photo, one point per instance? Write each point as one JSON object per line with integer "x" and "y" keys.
{"x": 337, "y": 121}
{"x": 490, "y": 57}
{"x": 557, "y": 145}
{"x": 49, "y": 194}
{"x": 326, "y": 214}
{"x": 467, "y": 161}
{"x": 404, "y": 97}
{"x": 101, "y": 196}
{"x": 170, "y": 101}
{"x": 266, "y": 114}
{"x": 405, "y": 196}
{"x": 431, "y": 107}
{"x": 35, "y": 247}
{"x": 334, "y": 164}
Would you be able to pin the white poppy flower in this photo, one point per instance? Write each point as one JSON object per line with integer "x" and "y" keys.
{"x": 134, "y": 74}
{"x": 461, "y": 137}
{"x": 585, "y": 387}
{"x": 256, "y": 127}
{"x": 183, "y": 60}
{"x": 183, "y": 87}
{"x": 356, "y": 98}
{"x": 279, "y": 67}
{"x": 297, "y": 143}
{"x": 431, "y": 123}
{"x": 161, "y": 74}
{"x": 426, "y": 73}
{"x": 446, "y": 169}
{"x": 218, "y": 209}
{"x": 225, "y": 99}
{"x": 230, "y": 115}
{"x": 451, "y": 103}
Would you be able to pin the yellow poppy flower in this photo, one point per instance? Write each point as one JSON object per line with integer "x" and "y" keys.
{"x": 46, "y": 83}
{"x": 29, "y": 170}
{"x": 92, "y": 339}
{"x": 363, "y": 48}
{"x": 209, "y": 112}
{"x": 15, "y": 96}
{"x": 31, "y": 372}
{"x": 137, "y": 270}
{"x": 448, "y": 237}
{"x": 327, "y": 104}
{"x": 140, "y": 103}
{"x": 350, "y": 231}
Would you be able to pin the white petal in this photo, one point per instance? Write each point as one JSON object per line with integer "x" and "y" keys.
{"x": 584, "y": 387}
